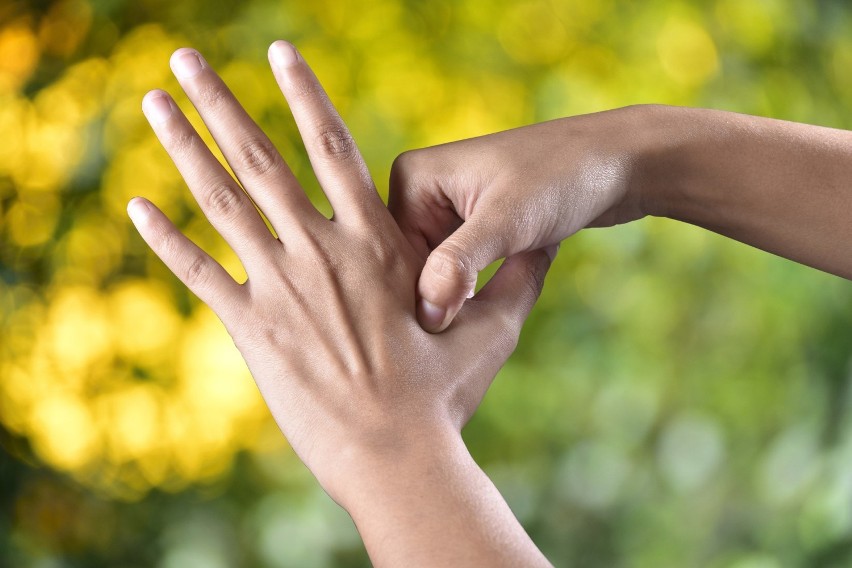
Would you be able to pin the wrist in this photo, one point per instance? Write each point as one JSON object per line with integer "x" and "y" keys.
{"x": 655, "y": 148}
{"x": 680, "y": 149}
{"x": 396, "y": 459}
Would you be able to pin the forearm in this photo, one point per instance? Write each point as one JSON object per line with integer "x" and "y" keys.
{"x": 431, "y": 505}
{"x": 780, "y": 186}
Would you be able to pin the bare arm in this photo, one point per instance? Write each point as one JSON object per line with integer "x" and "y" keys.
{"x": 780, "y": 186}
{"x": 371, "y": 403}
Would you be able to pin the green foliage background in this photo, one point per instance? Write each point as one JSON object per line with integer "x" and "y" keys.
{"x": 677, "y": 399}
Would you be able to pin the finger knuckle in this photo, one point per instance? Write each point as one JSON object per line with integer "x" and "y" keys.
{"x": 257, "y": 156}
{"x": 223, "y": 200}
{"x": 412, "y": 181}
{"x": 404, "y": 167}
{"x": 401, "y": 163}
{"x": 336, "y": 142}
{"x": 195, "y": 272}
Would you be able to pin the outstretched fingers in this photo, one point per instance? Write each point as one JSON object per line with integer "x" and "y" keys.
{"x": 254, "y": 159}
{"x": 222, "y": 200}
{"x": 335, "y": 158}
{"x": 195, "y": 268}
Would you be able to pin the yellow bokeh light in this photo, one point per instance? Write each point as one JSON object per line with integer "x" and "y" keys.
{"x": 687, "y": 52}
{"x": 53, "y": 150}
{"x": 91, "y": 249}
{"x": 753, "y": 24}
{"x": 19, "y": 54}
{"x": 141, "y": 169}
{"x": 50, "y": 140}
{"x": 252, "y": 84}
{"x": 131, "y": 422}
{"x": 212, "y": 371}
{"x": 471, "y": 114}
{"x": 140, "y": 63}
{"x": 13, "y": 117}
{"x": 32, "y": 222}
{"x": 15, "y": 397}
{"x": 140, "y": 434}
{"x": 144, "y": 322}
{"x": 58, "y": 105}
{"x": 78, "y": 328}
{"x": 409, "y": 89}
{"x": 82, "y": 85}
{"x": 533, "y": 33}
{"x": 62, "y": 430}
{"x": 64, "y": 27}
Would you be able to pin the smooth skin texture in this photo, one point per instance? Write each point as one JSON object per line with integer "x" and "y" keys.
{"x": 370, "y": 402}
{"x": 780, "y": 186}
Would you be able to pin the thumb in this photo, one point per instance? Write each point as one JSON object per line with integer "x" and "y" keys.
{"x": 451, "y": 270}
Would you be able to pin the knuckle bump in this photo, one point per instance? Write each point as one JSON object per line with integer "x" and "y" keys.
{"x": 223, "y": 200}
{"x": 336, "y": 142}
{"x": 257, "y": 156}
{"x": 404, "y": 164}
{"x": 195, "y": 272}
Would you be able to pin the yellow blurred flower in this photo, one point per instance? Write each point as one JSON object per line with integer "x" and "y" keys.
{"x": 19, "y": 54}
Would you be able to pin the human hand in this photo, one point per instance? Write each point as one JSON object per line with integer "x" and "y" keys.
{"x": 326, "y": 320}
{"x": 466, "y": 204}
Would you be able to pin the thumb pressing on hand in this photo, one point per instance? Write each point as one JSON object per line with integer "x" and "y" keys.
{"x": 449, "y": 275}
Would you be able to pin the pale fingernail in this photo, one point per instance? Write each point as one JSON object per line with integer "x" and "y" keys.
{"x": 472, "y": 291}
{"x": 432, "y": 316}
{"x": 138, "y": 209}
{"x": 186, "y": 64}
{"x": 157, "y": 108}
{"x": 283, "y": 54}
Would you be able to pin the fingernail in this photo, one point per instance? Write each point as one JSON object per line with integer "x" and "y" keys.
{"x": 157, "y": 108}
{"x": 138, "y": 209}
{"x": 283, "y": 54}
{"x": 186, "y": 64}
{"x": 432, "y": 316}
{"x": 472, "y": 291}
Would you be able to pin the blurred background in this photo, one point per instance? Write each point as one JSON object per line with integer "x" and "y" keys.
{"x": 677, "y": 399}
